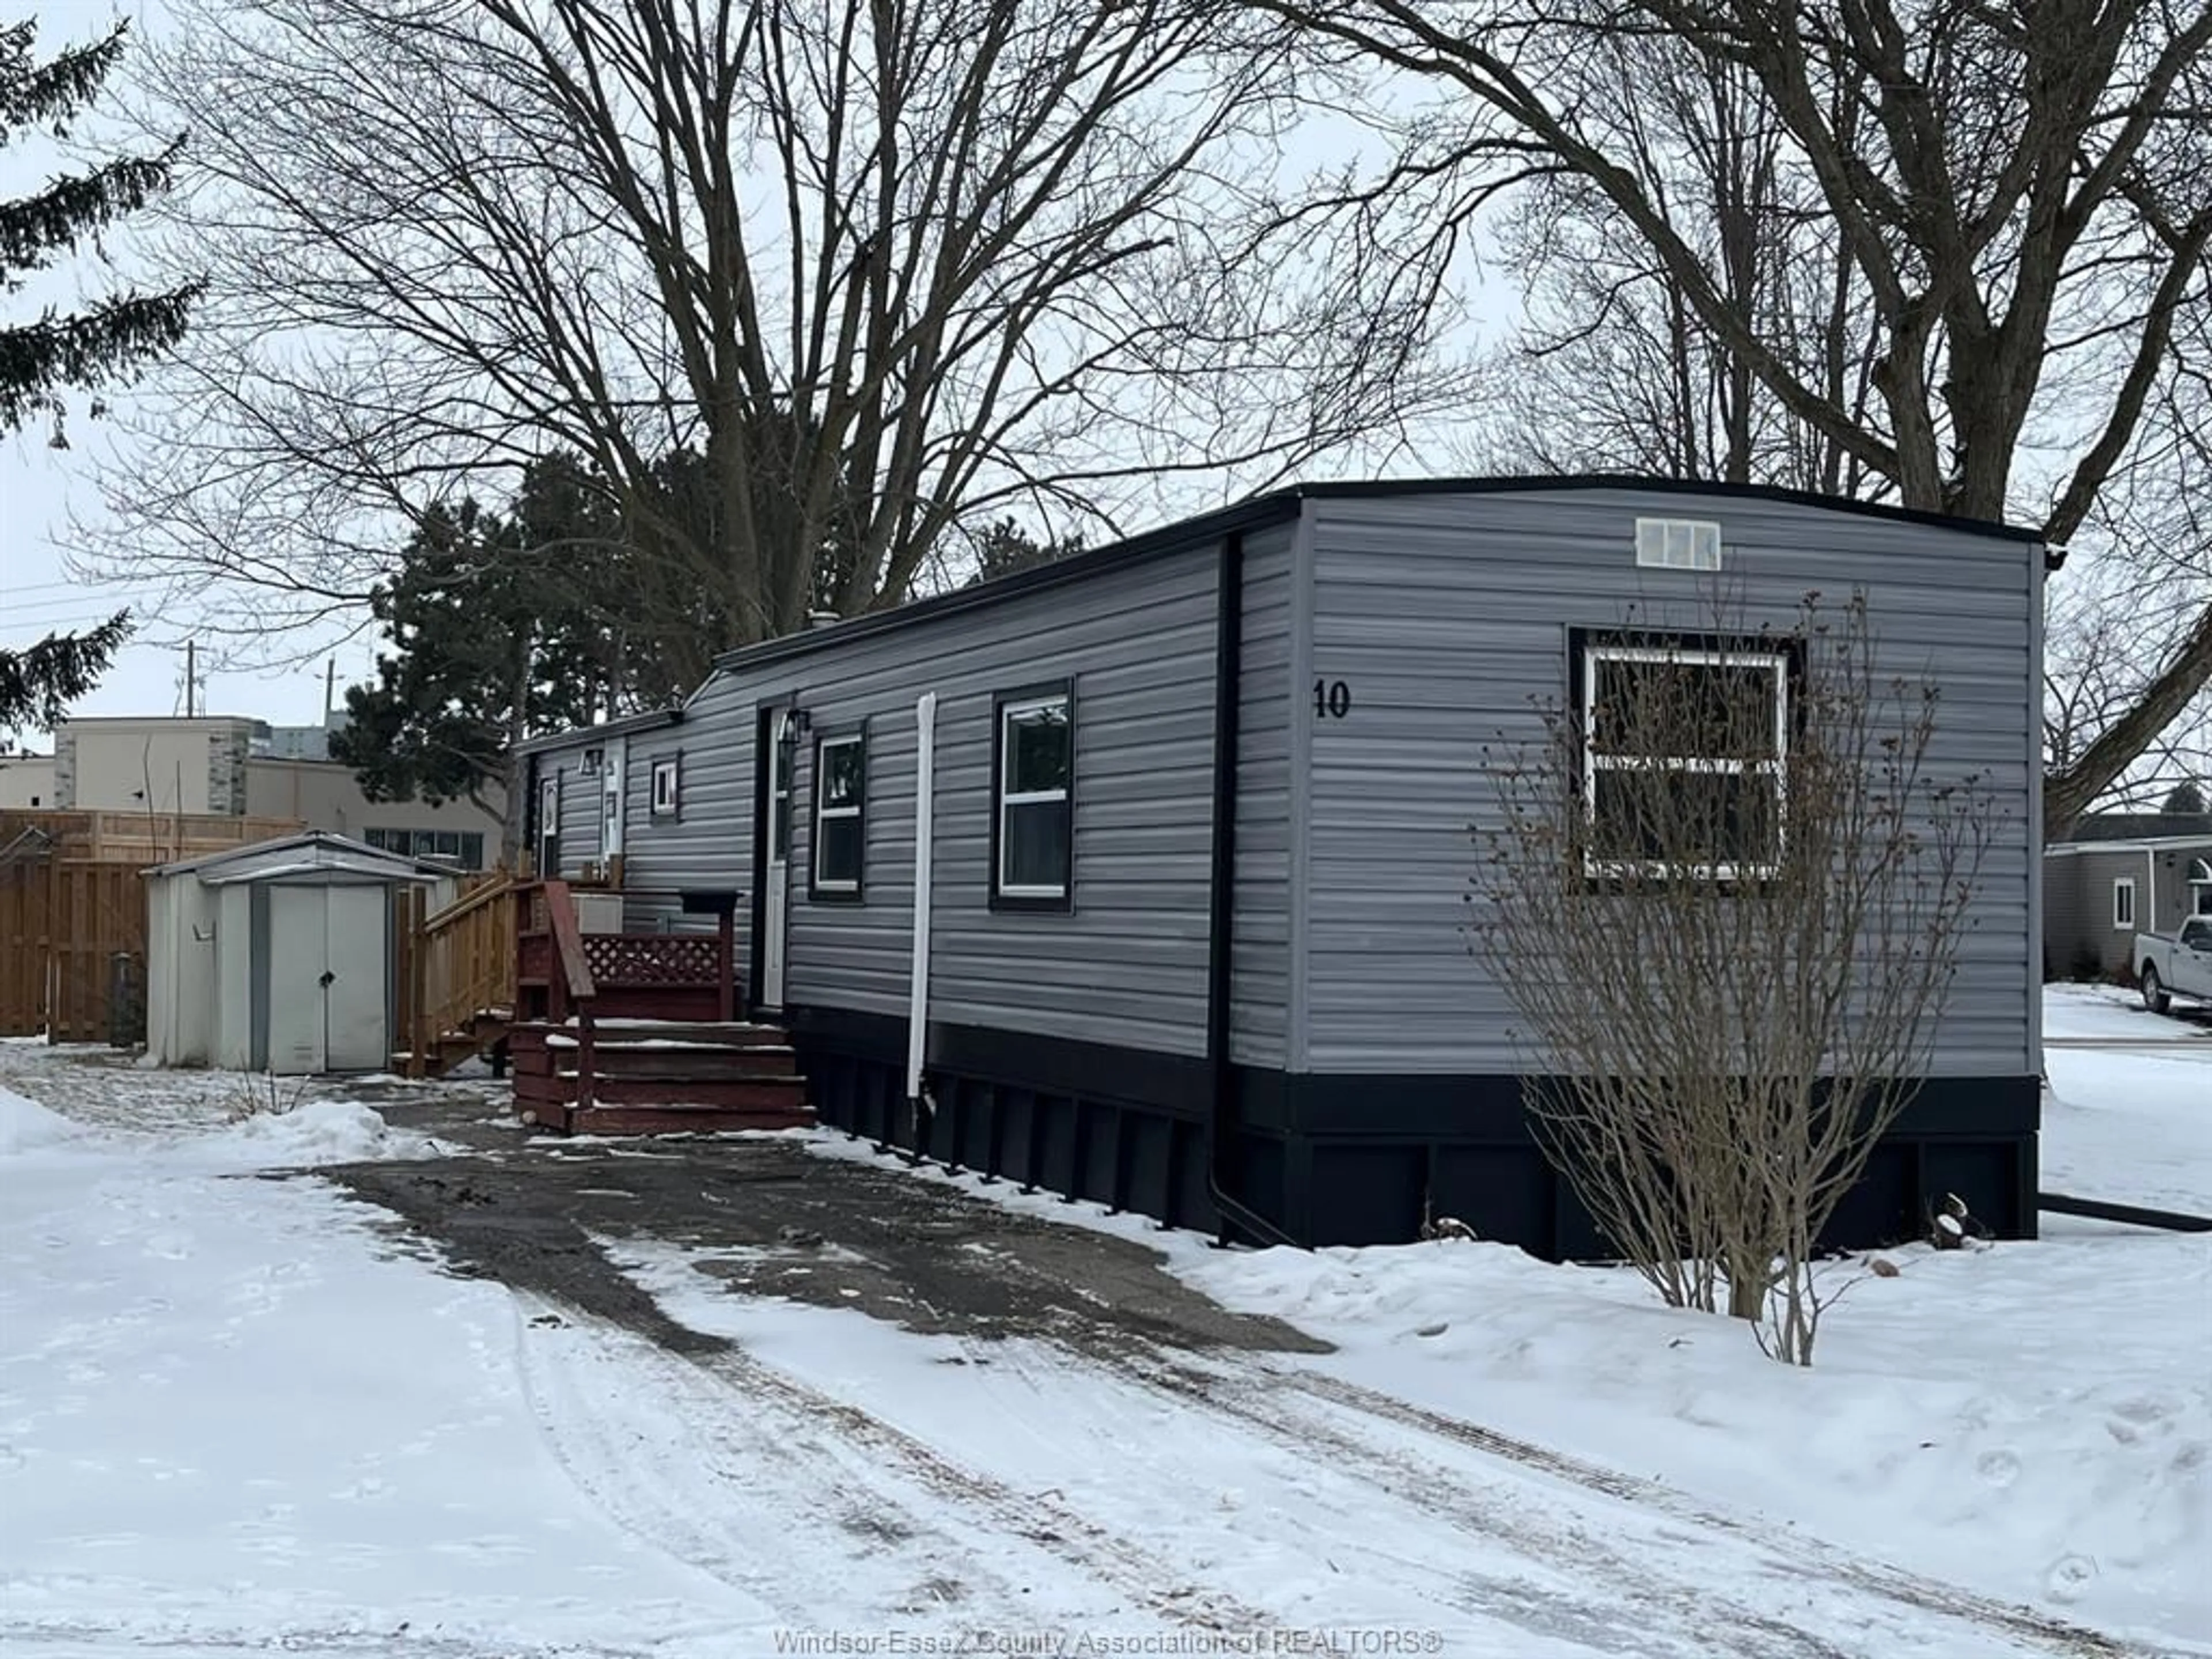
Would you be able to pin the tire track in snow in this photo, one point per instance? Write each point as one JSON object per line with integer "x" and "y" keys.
{"x": 74, "y": 1638}
{"x": 1257, "y": 1398}
{"x": 1840, "y": 1566}
{"x": 820, "y": 1451}
{"x": 1612, "y": 1598}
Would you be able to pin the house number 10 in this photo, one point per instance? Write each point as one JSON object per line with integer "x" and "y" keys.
{"x": 1332, "y": 700}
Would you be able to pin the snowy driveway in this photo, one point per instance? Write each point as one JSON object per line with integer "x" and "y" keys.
{"x": 476, "y": 1418}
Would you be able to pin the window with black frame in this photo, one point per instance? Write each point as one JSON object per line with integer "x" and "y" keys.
{"x": 841, "y": 839}
{"x": 1032, "y": 831}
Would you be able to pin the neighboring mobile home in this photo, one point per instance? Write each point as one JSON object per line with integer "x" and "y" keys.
{"x": 2100, "y": 891}
{"x": 1193, "y": 818}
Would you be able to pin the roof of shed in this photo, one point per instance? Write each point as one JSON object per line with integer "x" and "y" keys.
{"x": 1277, "y": 506}
{"x": 317, "y": 852}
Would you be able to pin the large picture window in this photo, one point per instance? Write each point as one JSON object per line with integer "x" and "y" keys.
{"x": 1032, "y": 830}
{"x": 841, "y": 839}
{"x": 1685, "y": 756}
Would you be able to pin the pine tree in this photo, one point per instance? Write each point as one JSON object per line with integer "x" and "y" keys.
{"x": 501, "y": 626}
{"x": 2184, "y": 800}
{"x": 80, "y": 349}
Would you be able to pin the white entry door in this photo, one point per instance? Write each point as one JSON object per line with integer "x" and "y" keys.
{"x": 775, "y": 889}
{"x": 326, "y": 963}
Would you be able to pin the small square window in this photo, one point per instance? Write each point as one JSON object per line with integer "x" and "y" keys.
{"x": 667, "y": 780}
{"x": 1032, "y": 804}
{"x": 2123, "y": 903}
{"x": 841, "y": 837}
{"x": 1678, "y": 544}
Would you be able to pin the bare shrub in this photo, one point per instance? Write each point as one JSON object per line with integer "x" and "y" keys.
{"x": 1726, "y": 893}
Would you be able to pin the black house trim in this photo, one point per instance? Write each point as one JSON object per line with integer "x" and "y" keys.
{"x": 756, "y": 929}
{"x": 1332, "y": 1158}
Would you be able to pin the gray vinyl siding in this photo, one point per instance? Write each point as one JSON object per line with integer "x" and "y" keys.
{"x": 2065, "y": 917}
{"x": 581, "y": 809}
{"x": 1259, "y": 1033}
{"x": 579, "y": 824}
{"x": 1447, "y": 615}
{"x": 1128, "y": 965}
{"x": 708, "y": 843}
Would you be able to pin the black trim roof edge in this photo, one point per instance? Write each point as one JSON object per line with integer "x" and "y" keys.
{"x": 1182, "y": 537}
{"x": 1278, "y": 506}
{"x": 649, "y": 721}
{"x": 1353, "y": 488}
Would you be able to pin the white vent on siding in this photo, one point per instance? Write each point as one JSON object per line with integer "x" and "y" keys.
{"x": 1678, "y": 544}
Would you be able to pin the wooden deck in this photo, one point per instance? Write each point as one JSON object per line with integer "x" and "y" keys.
{"x": 656, "y": 1077}
{"x": 622, "y": 1033}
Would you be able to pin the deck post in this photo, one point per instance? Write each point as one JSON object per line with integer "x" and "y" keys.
{"x": 418, "y": 984}
{"x": 725, "y": 966}
{"x": 586, "y": 1058}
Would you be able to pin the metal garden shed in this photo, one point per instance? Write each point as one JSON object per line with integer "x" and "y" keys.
{"x": 277, "y": 957}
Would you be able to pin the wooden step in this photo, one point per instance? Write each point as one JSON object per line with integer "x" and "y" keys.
{"x": 703, "y": 1064}
{"x": 560, "y": 1089}
{"x": 665, "y": 1120}
{"x": 701, "y": 1033}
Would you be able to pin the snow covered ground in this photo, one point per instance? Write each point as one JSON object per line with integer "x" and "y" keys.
{"x": 241, "y": 1415}
{"x": 2131, "y": 1123}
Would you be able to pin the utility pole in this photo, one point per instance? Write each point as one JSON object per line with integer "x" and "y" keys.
{"x": 329, "y": 687}
{"x": 190, "y": 668}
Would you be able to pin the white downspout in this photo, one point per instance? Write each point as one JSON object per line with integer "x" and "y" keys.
{"x": 925, "y": 780}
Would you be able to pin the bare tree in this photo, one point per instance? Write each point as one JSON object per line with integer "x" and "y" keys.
{"x": 2019, "y": 199}
{"x": 1727, "y": 891}
{"x": 903, "y": 262}
{"x": 1610, "y": 369}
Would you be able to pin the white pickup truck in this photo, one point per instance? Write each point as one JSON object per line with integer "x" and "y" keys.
{"x": 2170, "y": 965}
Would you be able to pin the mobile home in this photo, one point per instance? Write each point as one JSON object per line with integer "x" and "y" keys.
{"x": 1138, "y": 877}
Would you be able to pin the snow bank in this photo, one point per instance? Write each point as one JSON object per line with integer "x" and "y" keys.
{"x": 26, "y": 1126}
{"x": 312, "y": 1132}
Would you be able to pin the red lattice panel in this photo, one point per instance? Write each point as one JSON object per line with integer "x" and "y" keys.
{"x": 651, "y": 959}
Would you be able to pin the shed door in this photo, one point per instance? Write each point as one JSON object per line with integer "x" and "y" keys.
{"x": 326, "y": 979}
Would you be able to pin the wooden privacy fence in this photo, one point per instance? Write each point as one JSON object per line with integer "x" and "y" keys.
{"x": 71, "y": 901}
{"x": 63, "y": 923}
{"x": 140, "y": 839}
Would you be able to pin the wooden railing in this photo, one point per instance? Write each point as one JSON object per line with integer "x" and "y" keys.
{"x": 458, "y": 964}
{"x": 513, "y": 951}
{"x": 574, "y": 987}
